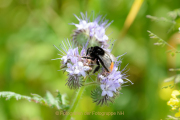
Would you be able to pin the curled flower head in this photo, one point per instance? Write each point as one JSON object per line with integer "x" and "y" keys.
{"x": 93, "y": 30}
{"x": 110, "y": 84}
{"x": 108, "y": 87}
{"x": 73, "y": 63}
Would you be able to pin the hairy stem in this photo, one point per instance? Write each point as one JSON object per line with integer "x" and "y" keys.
{"x": 91, "y": 83}
{"x": 75, "y": 102}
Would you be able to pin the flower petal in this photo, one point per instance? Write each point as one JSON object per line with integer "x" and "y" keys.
{"x": 110, "y": 94}
{"x": 103, "y": 93}
{"x": 83, "y": 73}
{"x": 102, "y": 86}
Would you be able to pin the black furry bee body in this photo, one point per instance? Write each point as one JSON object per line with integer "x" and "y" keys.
{"x": 98, "y": 54}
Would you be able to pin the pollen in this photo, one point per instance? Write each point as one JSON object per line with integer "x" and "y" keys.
{"x": 112, "y": 66}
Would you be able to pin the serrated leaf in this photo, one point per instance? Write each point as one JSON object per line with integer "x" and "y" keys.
{"x": 169, "y": 79}
{"x": 49, "y": 100}
{"x": 38, "y": 99}
{"x": 172, "y": 86}
{"x": 177, "y": 79}
{"x": 160, "y": 41}
{"x": 9, "y": 95}
{"x": 163, "y": 44}
{"x": 172, "y": 69}
{"x": 59, "y": 97}
{"x": 52, "y": 101}
{"x": 177, "y": 51}
{"x": 165, "y": 87}
{"x": 64, "y": 99}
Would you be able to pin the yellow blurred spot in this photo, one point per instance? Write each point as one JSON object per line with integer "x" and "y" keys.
{"x": 165, "y": 93}
{"x": 173, "y": 101}
{"x": 175, "y": 93}
{"x": 178, "y": 113}
{"x": 174, "y": 107}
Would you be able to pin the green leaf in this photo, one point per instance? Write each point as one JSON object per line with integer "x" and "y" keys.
{"x": 165, "y": 87}
{"x": 169, "y": 79}
{"x": 9, "y": 95}
{"x": 59, "y": 102}
{"x": 177, "y": 79}
{"x": 172, "y": 54}
{"x": 52, "y": 101}
{"x": 168, "y": 51}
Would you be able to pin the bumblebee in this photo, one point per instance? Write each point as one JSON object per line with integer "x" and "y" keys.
{"x": 99, "y": 55}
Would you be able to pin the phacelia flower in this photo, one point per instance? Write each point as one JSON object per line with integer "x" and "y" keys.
{"x": 74, "y": 65}
{"x": 110, "y": 84}
{"x": 80, "y": 65}
{"x": 95, "y": 29}
{"x": 77, "y": 69}
{"x": 108, "y": 87}
{"x": 72, "y": 55}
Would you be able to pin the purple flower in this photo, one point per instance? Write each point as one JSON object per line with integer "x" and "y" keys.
{"x": 94, "y": 29}
{"x": 111, "y": 82}
{"x": 108, "y": 88}
{"x": 71, "y": 54}
{"x": 100, "y": 34}
{"x": 77, "y": 69}
{"x": 76, "y": 65}
{"x": 82, "y": 25}
{"x": 73, "y": 63}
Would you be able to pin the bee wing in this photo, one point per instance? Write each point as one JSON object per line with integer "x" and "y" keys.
{"x": 105, "y": 61}
{"x": 113, "y": 58}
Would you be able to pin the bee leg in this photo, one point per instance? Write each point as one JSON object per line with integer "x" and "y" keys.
{"x": 87, "y": 51}
{"x": 98, "y": 67}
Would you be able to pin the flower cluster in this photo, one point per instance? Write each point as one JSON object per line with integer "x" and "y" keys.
{"x": 74, "y": 64}
{"x": 79, "y": 65}
{"x": 174, "y": 102}
{"x": 95, "y": 30}
{"x": 111, "y": 82}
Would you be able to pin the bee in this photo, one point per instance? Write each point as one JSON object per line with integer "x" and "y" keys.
{"x": 99, "y": 55}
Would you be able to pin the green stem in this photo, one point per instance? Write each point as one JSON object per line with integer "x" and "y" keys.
{"x": 91, "y": 83}
{"x": 75, "y": 102}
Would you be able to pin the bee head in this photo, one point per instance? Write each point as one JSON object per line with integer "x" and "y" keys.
{"x": 89, "y": 51}
{"x": 95, "y": 51}
{"x": 98, "y": 50}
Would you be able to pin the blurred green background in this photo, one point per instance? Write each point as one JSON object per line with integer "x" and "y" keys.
{"x": 30, "y": 28}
